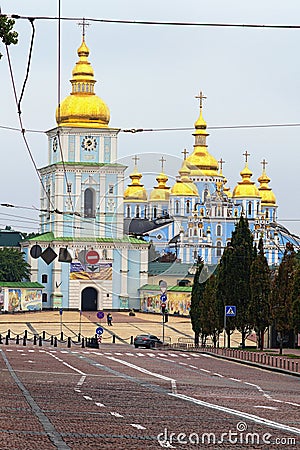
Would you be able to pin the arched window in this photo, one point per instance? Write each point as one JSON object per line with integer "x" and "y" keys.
{"x": 128, "y": 211}
{"x": 219, "y": 248}
{"x": 145, "y": 212}
{"x": 188, "y": 206}
{"x": 137, "y": 211}
{"x": 267, "y": 213}
{"x": 176, "y": 207}
{"x": 89, "y": 203}
{"x": 249, "y": 209}
{"x": 195, "y": 232}
{"x": 219, "y": 230}
{"x": 104, "y": 253}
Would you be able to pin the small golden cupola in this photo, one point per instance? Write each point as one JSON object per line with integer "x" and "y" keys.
{"x": 201, "y": 162}
{"x": 267, "y": 195}
{"x": 83, "y": 108}
{"x": 135, "y": 192}
{"x": 161, "y": 192}
{"x": 184, "y": 186}
{"x": 246, "y": 188}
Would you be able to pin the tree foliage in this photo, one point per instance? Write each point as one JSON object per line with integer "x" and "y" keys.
{"x": 7, "y": 34}
{"x": 13, "y": 267}
{"x": 282, "y": 295}
{"x": 196, "y": 298}
{"x": 234, "y": 278}
{"x": 260, "y": 284}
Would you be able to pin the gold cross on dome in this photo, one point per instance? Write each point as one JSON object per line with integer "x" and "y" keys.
{"x": 162, "y": 160}
{"x": 83, "y": 24}
{"x": 221, "y": 162}
{"x": 201, "y": 97}
{"x": 185, "y": 152}
{"x": 264, "y": 163}
{"x": 135, "y": 159}
{"x": 246, "y": 154}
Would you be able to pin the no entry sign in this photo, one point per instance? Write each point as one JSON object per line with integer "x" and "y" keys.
{"x": 92, "y": 257}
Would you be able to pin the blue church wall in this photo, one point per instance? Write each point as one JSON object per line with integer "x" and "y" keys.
{"x": 107, "y": 149}
{"x": 45, "y": 269}
{"x": 65, "y": 278}
{"x": 91, "y": 154}
{"x": 71, "y": 148}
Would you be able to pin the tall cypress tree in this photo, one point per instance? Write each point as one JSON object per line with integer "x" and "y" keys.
{"x": 260, "y": 283}
{"x": 196, "y": 298}
{"x": 234, "y": 278}
{"x": 282, "y": 296}
{"x": 212, "y": 315}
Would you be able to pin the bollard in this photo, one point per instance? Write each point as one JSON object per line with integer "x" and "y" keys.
{"x": 79, "y": 337}
{"x": 280, "y": 363}
{"x": 293, "y": 366}
{"x": 288, "y": 364}
{"x": 51, "y": 342}
{"x": 6, "y": 339}
{"x": 114, "y": 339}
{"x": 8, "y": 334}
{"x": 24, "y": 341}
{"x": 55, "y": 341}
{"x": 82, "y": 343}
{"x": 276, "y": 362}
{"x": 296, "y": 366}
{"x": 25, "y": 334}
{"x": 0, "y": 338}
{"x": 131, "y": 340}
{"x": 34, "y": 339}
{"x": 40, "y": 341}
{"x": 69, "y": 342}
{"x": 62, "y": 336}
{"x": 44, "y": 335}
{"x": 17, "y": 339}
{"x": 284, "y": 363}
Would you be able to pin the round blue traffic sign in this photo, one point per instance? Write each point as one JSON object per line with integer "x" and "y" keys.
{"x": 100, "y": 314}
{"x": 163, "y": 297}
{"x": 99, "y": 330}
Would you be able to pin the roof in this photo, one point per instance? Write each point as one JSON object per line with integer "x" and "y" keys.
{"x": 155, "y": 287}
{"x": 10, "y": 238}
{"x": 49, "y": 237}
{"x": 174, "y": 268}
{"x": 21, "y": 284}
{"x": 84, "y": 163}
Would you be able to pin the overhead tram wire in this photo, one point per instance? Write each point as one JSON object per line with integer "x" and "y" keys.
{"x": 159, "y": 23}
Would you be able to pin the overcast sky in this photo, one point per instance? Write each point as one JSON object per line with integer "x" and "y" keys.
{"x": 149, "y": 76}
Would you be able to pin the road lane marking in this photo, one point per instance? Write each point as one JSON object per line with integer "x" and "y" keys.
{"x": 116, "y": 414}
{"x": 234, "y": 412}
{"x": 87, "y": 397}
{"x": 204, "y": 370}
{"x": 218, "y": 375}
{"x": 66, "y": 364}
{"x": 266, "y": 407}
{"x": 81, "y": 381}
{"x": 100, "y": 405}
{"x": 235, "y": 379}
{"x": 174, "y": 387}
{"x": 138, "y": 426}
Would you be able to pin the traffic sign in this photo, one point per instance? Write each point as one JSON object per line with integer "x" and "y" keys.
{"x": 230, "y": 311}
{"x": 93, "y": 268}
{"x": 99, "y": 330}
{"x": 99, "y": 338}
{"x": 163, "y": 297}
{"x": 92, "y": 257}
{"x": 100, "y": 314}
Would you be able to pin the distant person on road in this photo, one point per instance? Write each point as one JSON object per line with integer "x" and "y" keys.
{"x": 109, "y": 319}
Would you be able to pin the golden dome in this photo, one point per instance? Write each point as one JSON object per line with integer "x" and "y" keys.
{"x": 83, "y": 108}
{"x": 267, "y": 195}
{"x": 161, "y": 192}
{"x": 184, "y": 186}
{"x": 246, "y": 187}
{"x": 135, "y": 192}
{"x": 201, "y": 162}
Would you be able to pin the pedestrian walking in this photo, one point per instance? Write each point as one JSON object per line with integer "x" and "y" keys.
{"x": 109, "y": 319}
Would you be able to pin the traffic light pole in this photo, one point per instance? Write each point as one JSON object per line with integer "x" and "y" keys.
{"x": 163, "y": 327}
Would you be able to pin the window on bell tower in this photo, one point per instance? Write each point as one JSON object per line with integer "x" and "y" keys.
{"x": 89, "y": 203}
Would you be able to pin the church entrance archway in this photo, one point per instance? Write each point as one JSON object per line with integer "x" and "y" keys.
{"x": 89, "y": 297}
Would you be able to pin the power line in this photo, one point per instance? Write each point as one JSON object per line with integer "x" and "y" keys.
{"x": 159, "y": 23}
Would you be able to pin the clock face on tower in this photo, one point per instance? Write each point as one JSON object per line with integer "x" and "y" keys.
{"x": 89, "y": 143}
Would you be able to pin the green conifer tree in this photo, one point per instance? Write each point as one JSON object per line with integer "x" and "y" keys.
{"x": 196, "y": 298}
{"x": 13, "y": 266}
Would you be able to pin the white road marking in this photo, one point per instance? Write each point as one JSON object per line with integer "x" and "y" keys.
{"x": 162, "y": 354}
{"x": 66, "y": 364}
{"x": 107, "y": 353}
{"x": 81, "y": 381}
{"x": 31, "y": 351}
{"x": 183, "y": 354}
{"x": 129, "y": 354}
{"x": 194, "y": 367}
{"x": 10, "y": 350}
{"x": 174, "y": 387}
{"x": 139, "y": 354}
{"x": 173, "y": 354}
{"x": 251, "y": 417}
{"x": 87, "y": 397}
{"x": 141, "y": 369}
{"x": 115, "y": 414}
{"x": 77, "y": 390}
{"x": 235, "y": 379}
{"x": 206, "y": 356}
{"x": 100, "y": 405}
{"x": 30, "y": 361}
{"x": 138, "y": 426}
{"x": 151, "y": 355}
{"x": 195, "y": 355}
{"x": 251, "y": 384}
{"x": 218, "y": 375}
{"x": 183, "y": 364}
{"x": 119, "y": 354}
{"x": 204, "y": 370}
{"x": 266, "y": 407}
